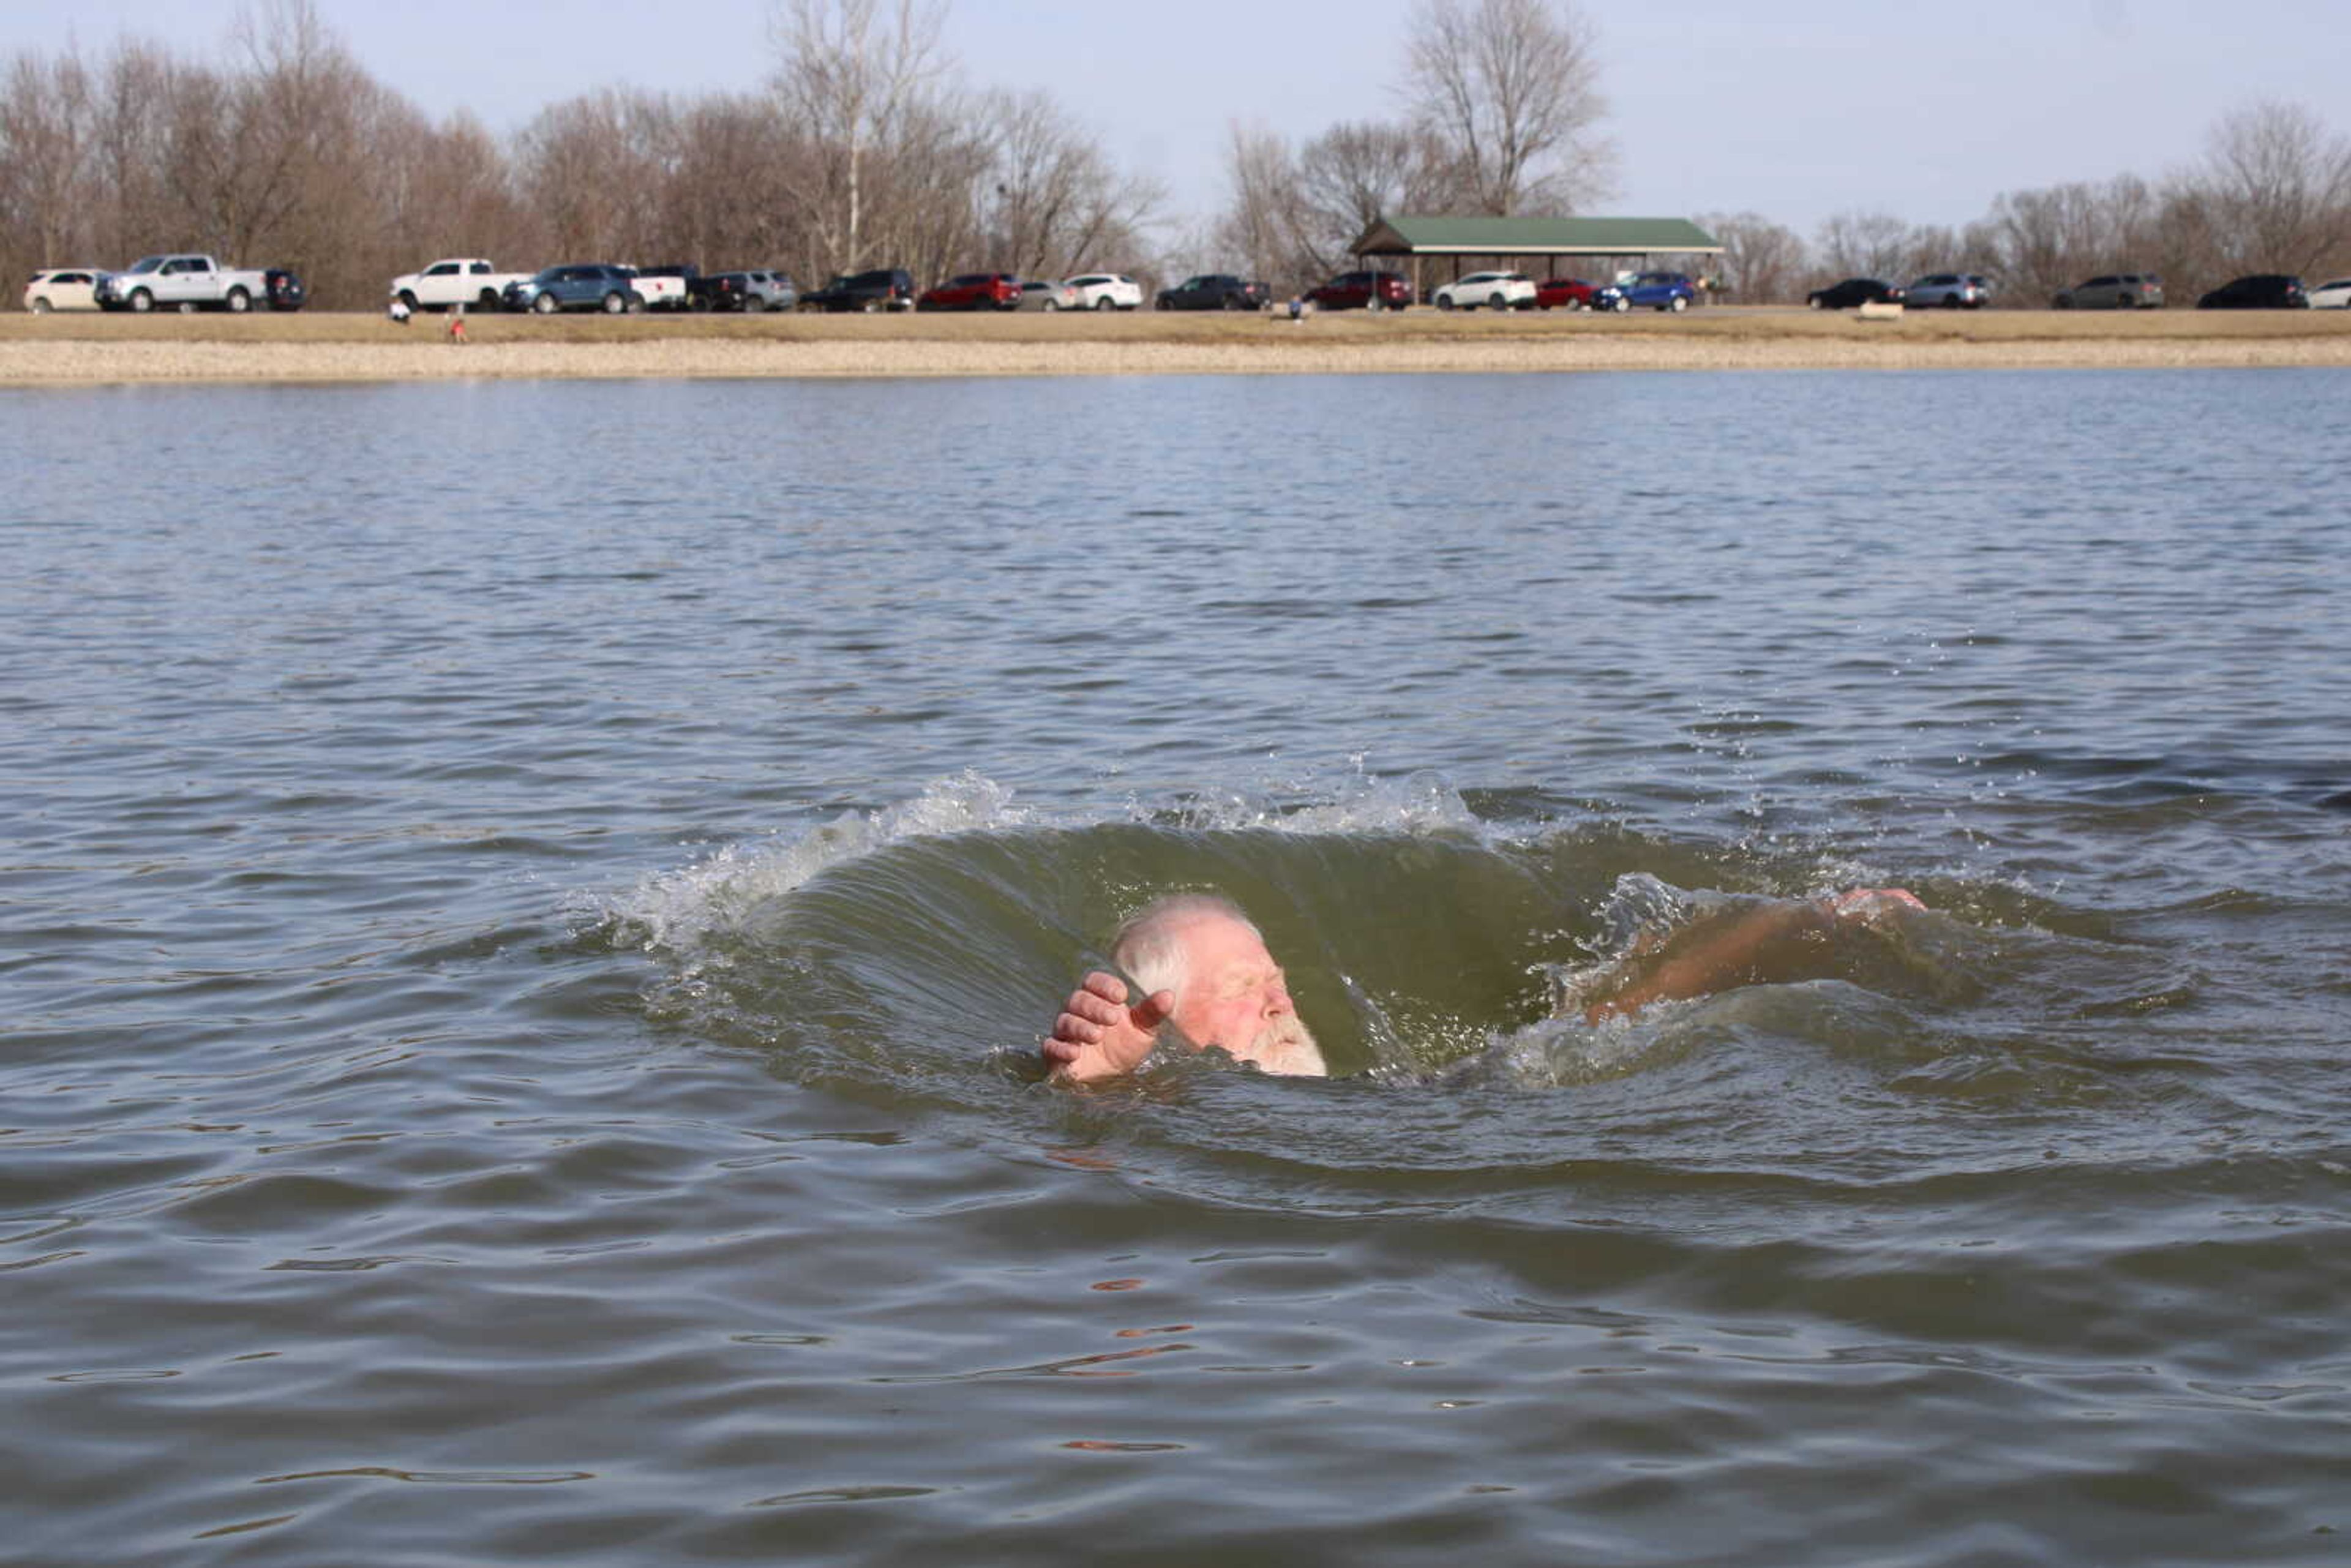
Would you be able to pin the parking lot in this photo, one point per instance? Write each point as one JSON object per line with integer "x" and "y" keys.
{"x": 364, "y": 346}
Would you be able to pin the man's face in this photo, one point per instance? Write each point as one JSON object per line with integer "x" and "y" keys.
{"x": 1235, "y": 997}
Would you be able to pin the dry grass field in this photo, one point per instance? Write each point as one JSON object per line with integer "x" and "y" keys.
{"x": 324, "y": 346}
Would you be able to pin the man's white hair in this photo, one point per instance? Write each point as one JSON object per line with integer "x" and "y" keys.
{"x": 1149, "y": 948}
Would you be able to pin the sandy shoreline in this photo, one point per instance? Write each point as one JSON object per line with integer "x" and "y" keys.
{"x": 106, "y": 350}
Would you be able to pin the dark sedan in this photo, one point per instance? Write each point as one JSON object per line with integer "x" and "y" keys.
{"x": 1214, "y": 292}
{"x": 973, "y": 291}
{"x": 582, "y": 286}
{"x": 884, "y": 288}
{"x": 2262, "y": 291}
{"x": 1355, "y": 291}
{"x": 1854, "y": 291}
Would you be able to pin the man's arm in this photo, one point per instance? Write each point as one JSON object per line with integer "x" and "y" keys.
{"x": 1773, "y": 943}
{"x": 1098, "y": 1035}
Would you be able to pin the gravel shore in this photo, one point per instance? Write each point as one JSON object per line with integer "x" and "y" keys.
{"x": 96, "y": 350}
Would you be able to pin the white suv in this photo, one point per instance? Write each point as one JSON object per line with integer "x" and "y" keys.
{"x": 63, "y": 289}
{"x": 1105, "y": 291}
{"x": 1502, "y": 290}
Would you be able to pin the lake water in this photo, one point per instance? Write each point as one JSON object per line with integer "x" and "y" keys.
{"x": 526, "y": 911}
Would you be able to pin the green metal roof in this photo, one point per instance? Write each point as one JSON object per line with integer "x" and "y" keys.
{"x": 1535, "y": 237}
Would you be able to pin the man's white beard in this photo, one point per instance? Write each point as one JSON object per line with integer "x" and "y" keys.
{"x": 1285, "y": 1046}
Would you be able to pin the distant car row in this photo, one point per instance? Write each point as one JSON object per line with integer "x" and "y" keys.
{"x": 614, "y": 290}
{"x": 182, "y": 283}
{"x": 1950, "y": 291}
{"x": 2107, "y": 291}
{"x": 1477, "y": 291}
{"x": 192, "y": 281}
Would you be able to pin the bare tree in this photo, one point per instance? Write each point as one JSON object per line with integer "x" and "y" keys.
{"x": 1260, "y": 229}
{"x": 49, "y": 157}
{"x": 296, "y": 101}
{"x": 1762, "y": 262}
{"x": 1292, "y": 215}
{"x": 446, "y": 190}
{"x": 237, "y": 152}
{"x": 1052, "y": 204}
{"x": 1511, "y": 88}
{"x": 854, "y": 80}
{"x": 1191, "y": 245}
{"x": 2273, "y": 191}
{"x": 1971, "y": 247}
{"x": 593, "y": 168}
{"x": 1356, "y": 173}
{"x": 2050, "y": 239}
{"x": 1865, "y": 245}
{"x": 926, "y": 217}
{"x": 2046, "y": 236}
{"x": 726, "y": 203}
{"x": 568, "y": 161}
{"x": 135, "y": 108}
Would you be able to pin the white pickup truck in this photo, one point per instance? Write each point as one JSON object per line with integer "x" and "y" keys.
{"x": 460, "y": 280}
{"x": 182, "y": 283}
{"x": 661, "y": 288}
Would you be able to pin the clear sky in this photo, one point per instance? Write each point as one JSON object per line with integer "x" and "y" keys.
{"x": 1793, "y": 110}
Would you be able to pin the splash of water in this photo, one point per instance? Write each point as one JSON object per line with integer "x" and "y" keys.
{"x": 679, "y": 911}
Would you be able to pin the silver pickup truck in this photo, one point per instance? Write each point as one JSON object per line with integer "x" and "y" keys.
{"x": 187, "y": 282}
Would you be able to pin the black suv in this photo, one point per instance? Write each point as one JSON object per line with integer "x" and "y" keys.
{"x": 1213, "y": 291}
{"x": 2263, "y": 291}
{"x": 750, "y": 291}
{"x": 1854, "y": 291}
{"x": 887, "y": 289}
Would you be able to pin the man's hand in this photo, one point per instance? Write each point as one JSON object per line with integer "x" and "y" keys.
{"x": 1098, "y": 1035}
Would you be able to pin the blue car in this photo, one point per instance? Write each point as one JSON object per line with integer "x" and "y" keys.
{"x": 1650, "y": 290}
{"x": 581, "y": 286}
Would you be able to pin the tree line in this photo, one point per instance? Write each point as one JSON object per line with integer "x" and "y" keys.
{"x": 2270, "y": 194}
{"x": 864, "y": 147}
{"x": 1500, "y": 111}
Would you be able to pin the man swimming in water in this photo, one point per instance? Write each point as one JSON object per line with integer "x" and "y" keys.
{"x": 1204, "y": 968}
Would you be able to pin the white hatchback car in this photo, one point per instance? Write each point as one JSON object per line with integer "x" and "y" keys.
{"x": 1107, "y": 291}
{"x": 1502, "y": 290}
{"x": 63, "y": 289}
{"x": 2335, "y": 296}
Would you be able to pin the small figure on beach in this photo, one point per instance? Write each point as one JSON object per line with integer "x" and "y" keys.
{"x": 399, "y": 312}
{"x": 457, "y": 324}
{"x": 1203, "y": 967}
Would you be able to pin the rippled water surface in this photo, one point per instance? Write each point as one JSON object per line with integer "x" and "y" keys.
{"x": 525, "y": 910}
